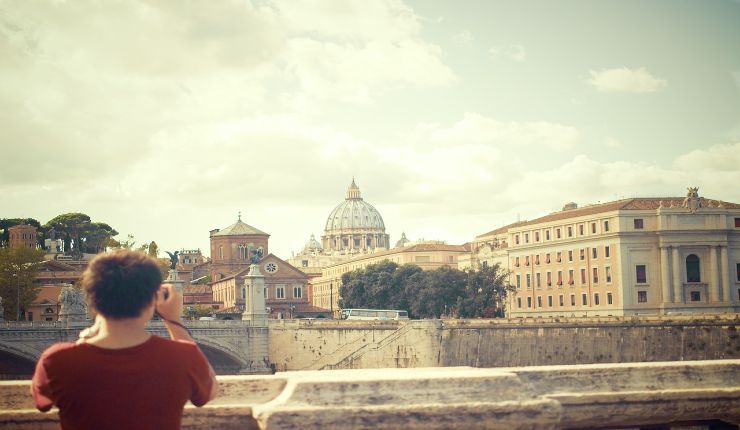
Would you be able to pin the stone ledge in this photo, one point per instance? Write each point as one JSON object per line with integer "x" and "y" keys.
{"x": 548, "y": 397}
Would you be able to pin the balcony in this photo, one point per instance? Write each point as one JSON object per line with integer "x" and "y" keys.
{"x": 594, "y": 396}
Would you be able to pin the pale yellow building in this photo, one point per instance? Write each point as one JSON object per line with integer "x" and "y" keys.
{"x": 428, "y": 255}
{"x": 627, "y": 257}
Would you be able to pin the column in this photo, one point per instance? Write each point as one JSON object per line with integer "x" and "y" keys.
{"x": 714, "y": 291}
{"x": 665, "y": 275}
{"x": 726, "y": 293}
{"x": 677, "y": 293}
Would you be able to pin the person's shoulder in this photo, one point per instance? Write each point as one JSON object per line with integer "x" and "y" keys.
{"x": 57, "y": 349}
{"x": 174, "y": 344}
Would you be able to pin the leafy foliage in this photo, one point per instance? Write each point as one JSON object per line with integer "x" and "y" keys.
{"x": 18, "y": 267}
{"x": 427, "y": 294}
{"x": 80, "y": 234}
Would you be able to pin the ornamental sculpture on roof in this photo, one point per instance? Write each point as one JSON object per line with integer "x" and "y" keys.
{"x": 692, "y": 202}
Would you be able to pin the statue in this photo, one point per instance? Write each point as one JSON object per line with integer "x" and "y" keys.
{"x": 173, "y": 259}
{"x": 255, "y": 254}
{"x": 692, "y": 202}
{"x": 73, "y": 305}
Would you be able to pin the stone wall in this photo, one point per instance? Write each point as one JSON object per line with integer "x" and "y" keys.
{"x": 304, "y": 345}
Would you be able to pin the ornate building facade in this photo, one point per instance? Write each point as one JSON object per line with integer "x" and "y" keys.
{"x": 627, "y": 257}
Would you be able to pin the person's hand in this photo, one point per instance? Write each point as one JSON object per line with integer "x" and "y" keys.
{"x": 89, "y": 332}
{"x": 169, "y": 302}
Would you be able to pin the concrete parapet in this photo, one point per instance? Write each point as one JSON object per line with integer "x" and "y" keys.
{"x": 548, "y": 397}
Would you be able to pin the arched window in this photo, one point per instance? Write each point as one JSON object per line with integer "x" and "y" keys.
{"x": 693, "y": 272}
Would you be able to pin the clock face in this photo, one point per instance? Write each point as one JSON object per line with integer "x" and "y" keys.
{"x": 271, "y": 268}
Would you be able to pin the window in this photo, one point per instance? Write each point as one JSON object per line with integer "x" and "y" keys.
{"x": 549, "y": 278}
{"x": 485, "y": 263}
{"x": 280, "y": 292}
{"x": 547, "y": 234}
{"x": 265, "y": 292}
{"x": 357, "y": 243}
{"x": 549, "y": 301}
{"x": 593, "y": 227}
{"x": 570, "y": 255}
{"x": 30, "y": 316}
{"x": 536, "y": 236}
{"x": 641, "y": 274}
{"x": 244, "y": 293}
{"x": 558, "y": 259}
{"x": 695, "y": 296}
{"x": 608, "y": 274}
{"x": 596, "y": 275}
{"x": 526, "y": 237}
{"x": 538, "y": 279}
{"x": 693, "y": 269}
{"x": 642, "y": 297}
{"x": 609, "y": 298}
{"x": 737, "y": 222}
{"x": 580, "y": 229}
{"x": 639, "y": 224}
{"x": 583, "y": 276}
{"x": 584, "y": 299}
{"x": 519, "y": 302}
{"x": 297, "y": 292}
{"x": 529, "y": 281}
{"x": 221, "y": 252}
{"x": 526, "y": 260}
{"x": 529, "y": 302}
{"x": 570, "y": 277}
{"x": 737, "y": 271}
{"x": 570, "y": 231}
{"x": 606, "y": 251}
{"x": 547, "y": 258}
{"x": 596, "y": 299}
{"x": 572, "y": 299}
{"x": 537, "y": 259}
{"x": 557, "y": 233}
{"x": 594, "y": 253}
{"x": 561, "y": 300}
{"x": 518, "y": 281}
{"x": 516, "y": 239}
{"x": 560, "y": 277}
{"x": 539, "y": 301}
{"x": 516, "y": 261}
{"x": 606, "y": 225}
{"x": 583, "y": 254}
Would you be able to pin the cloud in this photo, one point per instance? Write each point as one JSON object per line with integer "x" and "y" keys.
{"x": 476, "y": 128}
{"x": 626, "y": 80}
{"x": 512, "y": 52}
{"x": 719, "y": 158}
{"x": 464, "y": 37}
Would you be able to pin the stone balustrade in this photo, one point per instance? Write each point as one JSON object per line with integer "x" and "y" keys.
{"x": 548, "y": 397}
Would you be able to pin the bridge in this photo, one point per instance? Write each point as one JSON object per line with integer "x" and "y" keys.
{"x": 232, "y": 347}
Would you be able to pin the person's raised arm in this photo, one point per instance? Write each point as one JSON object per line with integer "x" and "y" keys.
{"x": 169, "y": 307}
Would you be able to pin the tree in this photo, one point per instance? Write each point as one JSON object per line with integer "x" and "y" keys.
{"x": 18, "y": 268}
{"x": 97, "y": 237}
{"x": 485, "y": 293}
{"x": 126, "y": 244}
{"x": 427, "y": 294}
{"x": 73, "y": 227}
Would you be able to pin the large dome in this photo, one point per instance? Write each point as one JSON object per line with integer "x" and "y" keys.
{"x": 354, "y": 214}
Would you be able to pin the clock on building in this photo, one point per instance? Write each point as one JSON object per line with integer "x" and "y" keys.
{"x": 271, "y": 267}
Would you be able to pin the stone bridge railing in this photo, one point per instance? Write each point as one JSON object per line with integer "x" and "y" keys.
{"x": 663, "y": 394}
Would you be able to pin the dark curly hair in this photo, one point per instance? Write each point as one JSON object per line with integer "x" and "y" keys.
{"x": 121, "y": 284}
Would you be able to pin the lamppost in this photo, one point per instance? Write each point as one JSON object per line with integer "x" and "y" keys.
{"x": 291, "y": 307}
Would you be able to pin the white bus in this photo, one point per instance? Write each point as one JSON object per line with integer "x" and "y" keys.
{"x": 374, "y": 314}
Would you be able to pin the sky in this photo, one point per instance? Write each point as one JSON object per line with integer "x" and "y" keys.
{"x": 165, "y": 119}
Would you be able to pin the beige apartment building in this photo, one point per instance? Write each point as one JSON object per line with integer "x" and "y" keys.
{"x": 627, "y": 257}
{"x": 428, "y": 255}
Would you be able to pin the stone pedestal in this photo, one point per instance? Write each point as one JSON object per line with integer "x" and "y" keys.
{"x": 178, "y": 284}
{"x": 254, "y": 306}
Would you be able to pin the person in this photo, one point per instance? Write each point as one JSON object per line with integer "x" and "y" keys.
{"x": 118, "y": 375}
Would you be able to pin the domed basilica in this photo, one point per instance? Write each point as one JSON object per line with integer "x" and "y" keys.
{"x": 353, "y": 227}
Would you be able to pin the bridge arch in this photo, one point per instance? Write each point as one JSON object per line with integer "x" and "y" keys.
{"x": 17, "y": 361}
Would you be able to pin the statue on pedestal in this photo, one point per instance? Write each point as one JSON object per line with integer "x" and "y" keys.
{"x": 73, "y": 307}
